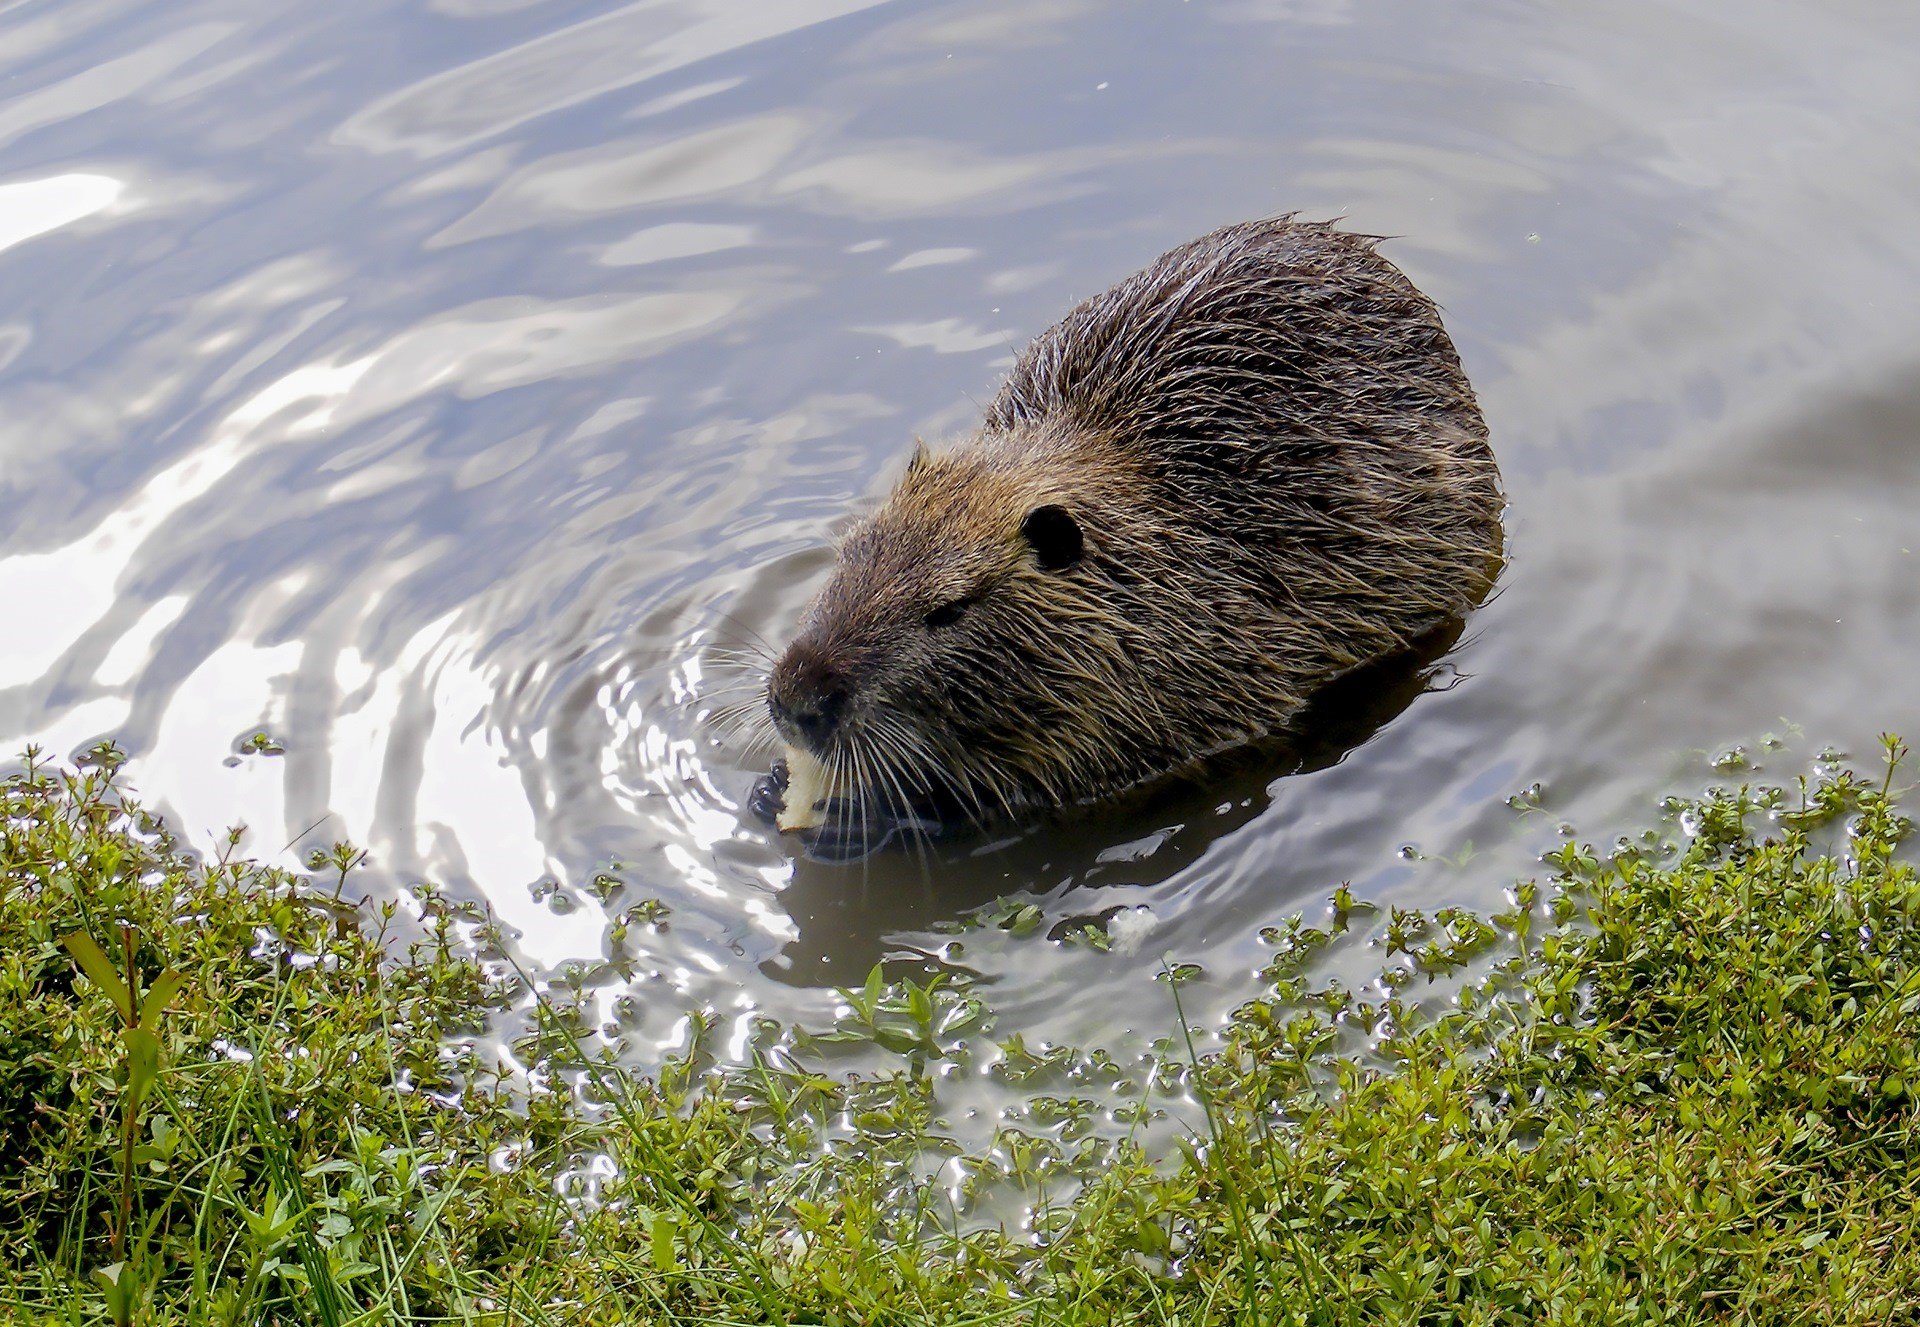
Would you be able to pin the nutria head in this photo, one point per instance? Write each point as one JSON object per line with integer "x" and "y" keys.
{"x": 1237, "y": 475}
{"x": 965, "y": 623}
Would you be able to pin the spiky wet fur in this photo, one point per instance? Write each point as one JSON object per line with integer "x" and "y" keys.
{"x": 1280, "y": 473}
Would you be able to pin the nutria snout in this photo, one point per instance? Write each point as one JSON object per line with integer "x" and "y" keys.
{"x": 1242, "y": 472}
{"x": 807, "y": 693}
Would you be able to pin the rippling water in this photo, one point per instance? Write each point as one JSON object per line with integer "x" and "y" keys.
{"x": 435, "y": 387}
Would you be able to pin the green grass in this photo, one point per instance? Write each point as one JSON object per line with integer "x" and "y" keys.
{"x": 1673, "y": 1084}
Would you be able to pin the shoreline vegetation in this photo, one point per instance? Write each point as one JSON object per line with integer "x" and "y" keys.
{"x": 1675, "y": 1082}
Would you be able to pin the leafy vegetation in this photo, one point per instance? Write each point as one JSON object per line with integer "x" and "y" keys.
{"x": 1673, "y": 1083}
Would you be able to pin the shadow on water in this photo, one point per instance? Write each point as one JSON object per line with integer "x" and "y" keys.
{"x": 854, "y": 908}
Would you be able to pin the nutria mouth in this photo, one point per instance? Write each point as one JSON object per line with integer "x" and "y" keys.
{"x": 845, "y": 828}
{"x": 1244, "y": 471}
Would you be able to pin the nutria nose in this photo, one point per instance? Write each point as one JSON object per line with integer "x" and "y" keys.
{"x": 808, "y": 694}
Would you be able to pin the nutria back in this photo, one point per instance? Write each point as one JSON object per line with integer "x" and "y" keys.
{"x": 1236, "y": 475}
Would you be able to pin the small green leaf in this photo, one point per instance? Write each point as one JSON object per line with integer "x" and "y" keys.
{"x": 898, "y": 1040}
{"x": 159, "y": 995}
{"x": 662, "y": 1231}
{"x": 143, "y": 1061}
{"x": 99, "y": 969}
{"x": 117, "y": 1282}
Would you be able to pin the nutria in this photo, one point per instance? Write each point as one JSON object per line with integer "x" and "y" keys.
{"x": 1237, "y": 475}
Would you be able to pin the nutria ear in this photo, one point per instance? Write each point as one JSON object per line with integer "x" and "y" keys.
{"x": 1055, "y": 537}
{"x": 921, "y": 455}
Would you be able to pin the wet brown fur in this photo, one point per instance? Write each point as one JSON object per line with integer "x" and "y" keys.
{"x": 1279, "y": 472}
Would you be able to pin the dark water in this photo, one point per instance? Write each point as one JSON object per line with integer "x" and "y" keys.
{"x": 432, "y": 387}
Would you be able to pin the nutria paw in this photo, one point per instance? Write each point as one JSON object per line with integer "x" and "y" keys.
{"x": 846, "y": 830}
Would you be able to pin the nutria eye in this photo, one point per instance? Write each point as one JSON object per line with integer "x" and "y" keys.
{"x": 1055, "y": 537}
{"x": 948, "y": 613}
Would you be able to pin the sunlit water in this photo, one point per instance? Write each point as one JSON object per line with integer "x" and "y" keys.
{"x": 434, "y": 387}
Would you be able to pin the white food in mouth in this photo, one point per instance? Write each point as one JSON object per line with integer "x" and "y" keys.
{"x": 810, "y": 785}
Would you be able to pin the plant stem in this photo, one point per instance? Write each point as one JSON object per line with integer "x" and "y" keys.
{"x": 129, "y": 1107}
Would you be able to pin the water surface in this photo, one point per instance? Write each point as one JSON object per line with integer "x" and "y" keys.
{"x": 433, "y": 387}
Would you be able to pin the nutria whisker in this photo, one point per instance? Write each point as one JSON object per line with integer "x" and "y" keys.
{"x": 750, "y": 710}
{"x": 743, "y": 737}
{"x": 747, "y": 728}
{"x": 916, "y": 769}
{"x": 757, "y": 641}
{"x": 742, "y": 657}
{"x": 731, "y": 677}
{"x": 753, "y": 692}
{"x": 857, "y": 788}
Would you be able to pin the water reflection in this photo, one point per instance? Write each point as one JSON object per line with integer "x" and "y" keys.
{"x": 631, "y": 176}
{"x": 632, "y": 44}
{"x": 34, "y": 207}
{"x": 442, "y": 391}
